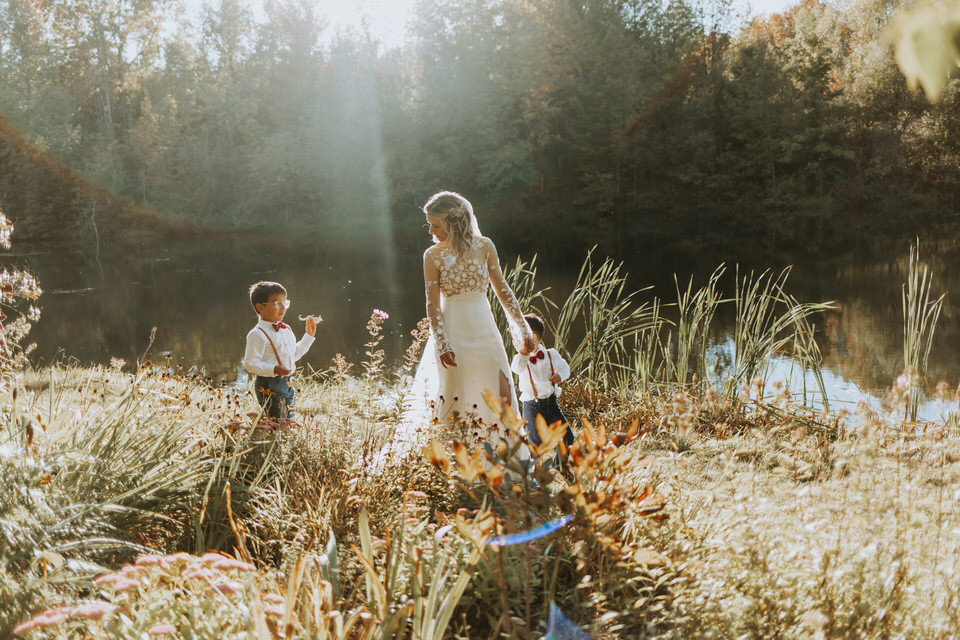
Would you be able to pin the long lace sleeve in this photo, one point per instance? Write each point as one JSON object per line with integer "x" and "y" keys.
{"x": 431, "y": 283}
{"x": 519, "y": 329}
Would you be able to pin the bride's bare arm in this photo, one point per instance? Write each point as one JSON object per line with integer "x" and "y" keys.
{"x": 519, "y": 329}
{"x": 431, "y": 282}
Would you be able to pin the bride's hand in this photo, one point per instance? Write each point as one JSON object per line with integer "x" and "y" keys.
{"x": 524, "y": 347}
{"x": 447, "y": 359}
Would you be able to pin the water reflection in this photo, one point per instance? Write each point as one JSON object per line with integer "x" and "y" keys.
{"x": 194, "y": 292}
{"x": 196, "y": 296}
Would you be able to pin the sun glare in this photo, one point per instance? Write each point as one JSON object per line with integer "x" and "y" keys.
{"x": 386, "y": 20}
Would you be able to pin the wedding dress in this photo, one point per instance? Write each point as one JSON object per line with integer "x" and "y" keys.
{"x": 462, "y": 322}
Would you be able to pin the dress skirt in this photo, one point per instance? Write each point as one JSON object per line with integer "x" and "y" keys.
{"x": 439, "y": 393}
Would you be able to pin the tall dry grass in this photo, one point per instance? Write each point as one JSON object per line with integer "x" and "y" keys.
{"x": 149, "y": 502}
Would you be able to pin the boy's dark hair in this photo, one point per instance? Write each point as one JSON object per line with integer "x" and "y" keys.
{"x": 260, "y": 292}
{"x": 536, "y": 324}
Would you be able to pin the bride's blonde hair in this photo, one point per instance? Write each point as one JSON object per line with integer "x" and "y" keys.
{"x": 458, "y": 214}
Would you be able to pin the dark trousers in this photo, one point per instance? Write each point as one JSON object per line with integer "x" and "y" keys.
{"x": 277, "y": 396}
{"x": 550, "y": 410}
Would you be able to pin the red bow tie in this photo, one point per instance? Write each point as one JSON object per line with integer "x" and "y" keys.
{"x": 537, "y": 356}
{"x": 279, "y": 325}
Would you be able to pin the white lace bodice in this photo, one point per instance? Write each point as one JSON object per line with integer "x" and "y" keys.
{"x": 448, "y": 274}
{"x": 461, "y": 274}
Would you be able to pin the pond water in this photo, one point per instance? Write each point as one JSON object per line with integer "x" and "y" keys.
{"x": 195, "y": 294}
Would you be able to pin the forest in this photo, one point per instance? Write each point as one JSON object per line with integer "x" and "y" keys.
{"x": 622, "y": 123}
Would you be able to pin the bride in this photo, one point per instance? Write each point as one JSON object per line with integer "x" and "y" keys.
{"x": 464, "y": 355}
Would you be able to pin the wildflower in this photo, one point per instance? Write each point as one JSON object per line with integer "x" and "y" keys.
{"x": 228, "y": 588}
{"x": 225, "y": 564}
{"x": 148, "y": 561}
{"x": 274, "y": 598}
{"x": 380, "y": 315}
{"x": 178, "y": 557}
{"x": 199, "y": 574}
{"x": 274, "y": 610}
{"x": 161, "y": 629}
{"x": 45, "y": 619}
{"x": 92, "y": 610}
{"x": 107, "y": 578}
{"x": 23, "y": 627}
{"x": 122, "y": 584}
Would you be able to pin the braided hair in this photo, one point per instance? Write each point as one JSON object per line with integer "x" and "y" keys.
{"x": 458, "y": 214}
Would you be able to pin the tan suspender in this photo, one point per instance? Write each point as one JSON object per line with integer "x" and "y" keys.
{"x": 536, "y": 396}
{"x": 279, "y": 362}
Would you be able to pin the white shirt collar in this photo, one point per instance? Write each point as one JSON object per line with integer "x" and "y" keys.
{"x": 263, "y": 324}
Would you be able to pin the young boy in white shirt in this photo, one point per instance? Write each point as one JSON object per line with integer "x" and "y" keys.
{"x": 540, "y": 371}
{"x": 272, "y": 350}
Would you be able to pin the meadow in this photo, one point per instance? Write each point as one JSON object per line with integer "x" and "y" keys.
{"x": 145, "y": 502}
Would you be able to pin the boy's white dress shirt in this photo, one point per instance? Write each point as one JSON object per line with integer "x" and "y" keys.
{"x": 259, "y": 358}
{"x": 540, "y": 373}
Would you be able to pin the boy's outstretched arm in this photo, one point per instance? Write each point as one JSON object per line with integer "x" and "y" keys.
{"x": 304, "y": 345}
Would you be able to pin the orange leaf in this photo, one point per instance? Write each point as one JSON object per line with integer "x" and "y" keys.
{"x": 436, "y": 455}
{"x": 494, "y": 476}
{"x": 589, "y": 435}
{"x": 550, "y": 435}
{"x": 469, "y": 467}
{"x": 493, "y": 401}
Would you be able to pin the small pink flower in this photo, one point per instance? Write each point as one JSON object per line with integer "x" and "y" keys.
{"x": 273, "y": 610}
{"x": 45, "y": 619}
{"x": 275, "y": 598}
{"x": 380, "y": 315}
{"x": 107, "y": 578}
{"x": 123, "y": 584}
{"x": 212, "y": 556}
{"x": 29, "y": 625}
{"x": 148, "y": 561}
{"x": 225, "y": 564}
{"x": 92, "y": 610}
{"x": 23, "y": 627}
{"x": 199, "y": 574}
{"x": 161, "y": 629}
{"x": 175, "y": 558}
{"x": 128, "y": 569}
{"x": 228, "y": 588}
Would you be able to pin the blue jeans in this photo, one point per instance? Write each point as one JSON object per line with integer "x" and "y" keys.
{"x": 550, "y": 410}
{"x": 277, "y": 396}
